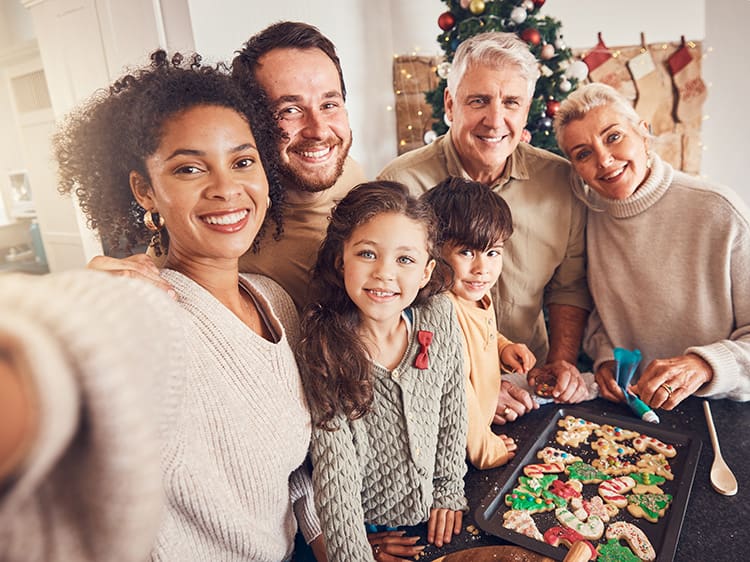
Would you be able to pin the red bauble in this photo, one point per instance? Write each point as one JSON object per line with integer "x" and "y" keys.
{"x": 538, "y": 3}
{"x": 552, "y": 107}
{"x": 446, "y": 21}
{"x": 531, "y": 35}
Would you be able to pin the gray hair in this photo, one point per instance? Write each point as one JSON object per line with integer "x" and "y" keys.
{"x": 588, "y": 97}
{"x": 493, "y": 49}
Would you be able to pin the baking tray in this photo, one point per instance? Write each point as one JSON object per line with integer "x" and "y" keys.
{"x": 663, "y": 535}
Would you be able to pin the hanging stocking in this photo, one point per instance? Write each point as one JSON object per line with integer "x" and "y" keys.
{"x": 691, "y": 90}
{"x": 609, "y": 69}
{"x": 654, "y": 90}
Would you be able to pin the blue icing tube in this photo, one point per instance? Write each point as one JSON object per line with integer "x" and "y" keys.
{"x": 627, "y": 363}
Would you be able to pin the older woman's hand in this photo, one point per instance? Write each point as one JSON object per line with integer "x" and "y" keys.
{"x": 667, "y": 382}
{"x": 512, "y": 403}
{"x": 605, "y": 379}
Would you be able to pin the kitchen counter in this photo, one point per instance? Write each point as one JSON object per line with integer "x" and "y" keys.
{"x": 715, "y": 527}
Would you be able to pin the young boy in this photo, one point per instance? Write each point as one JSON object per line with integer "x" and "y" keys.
{"x": 474, "y": 224}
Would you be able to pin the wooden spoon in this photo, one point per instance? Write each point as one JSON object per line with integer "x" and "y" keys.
{"x": 722, "y": 478}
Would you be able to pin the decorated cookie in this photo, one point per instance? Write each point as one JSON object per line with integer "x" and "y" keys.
{"x": 582, "y": 508}
{"x": 648, "y": 479}
{"x": 522, "y": 522}
{"x": 562, "y": 535}
{"x": 592, "y": 528}
{"x": 570, "y": 422}
{"x": 613, "y": 491}
{"x": 550, "y": 454}
{"x": 535, "y": 484}
{"x": 615, "y": 433}
{"x": 613, "y": 551}
{"x": 535, "y": 470}
{"x": 614, "y": 466}
{"x": 636, "y": 539}
{"x": 524, "y": 501}
{"x": 585, "y": 473}
{"x": 607, "y": 448}
{"x": 648, "y": 506}
{"x": 572, "y": 437}
{"x": 655, "y": 464}
{"x": 643, "y": 442}
{"x": 566, "y": 490}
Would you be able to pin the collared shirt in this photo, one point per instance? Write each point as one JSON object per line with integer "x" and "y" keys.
{"x": 544, "y": 260}
{"x": 289, "y": 260}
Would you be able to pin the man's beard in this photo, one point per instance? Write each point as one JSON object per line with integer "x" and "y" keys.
{"x": 300, "y": 179}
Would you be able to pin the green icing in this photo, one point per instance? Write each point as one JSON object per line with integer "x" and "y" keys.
{"x": 522, "y": 500}
{"x": 648, "y": 479}
{"x": 613, "y": 551}
{"x": 585, "y": 472}
{"x": 536, "y": 484}
{"x": 653, "y": 505}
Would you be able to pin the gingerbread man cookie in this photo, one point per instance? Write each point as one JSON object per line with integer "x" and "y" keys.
{"x": 550, "y": 454}
{"x": 614, "y": 466}
{"x": 615, "y": 433}
{"x": 655, "y": 464}
{"x": 648, "y": 506}
{"x": 607, "y": 448}
{"x": 572, "y": 437}
{"x": 636, "y": 539}
{"x": 643, "y": 442}
{"x": 570, "y": 423}
{"x": 612, "y": 491}
{"x": 522, "y": 522}
{"x": 566, "y": 490}
{"x": 595, "y": 506}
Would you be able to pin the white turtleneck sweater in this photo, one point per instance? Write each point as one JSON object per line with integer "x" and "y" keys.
{"x": 669, "y": 271}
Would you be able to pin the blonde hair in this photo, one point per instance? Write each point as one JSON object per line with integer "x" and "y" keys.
{"x": 493, "y": 49}
{"x": 588, "y": 97}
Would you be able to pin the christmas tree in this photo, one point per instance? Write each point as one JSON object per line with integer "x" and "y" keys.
{"x": 559, "y": 73}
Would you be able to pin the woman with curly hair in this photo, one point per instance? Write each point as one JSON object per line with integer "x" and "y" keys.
{"x": 168, "y": 154}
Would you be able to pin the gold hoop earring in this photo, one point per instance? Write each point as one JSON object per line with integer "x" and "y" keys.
{"x": 154, "y": 226}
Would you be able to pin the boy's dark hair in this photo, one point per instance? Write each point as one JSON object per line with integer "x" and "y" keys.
{"x": 283, "y": 35}
{"x": 469, "y": 213}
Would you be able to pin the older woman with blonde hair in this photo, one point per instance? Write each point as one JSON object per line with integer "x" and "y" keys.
{"x": 668, "y": 258}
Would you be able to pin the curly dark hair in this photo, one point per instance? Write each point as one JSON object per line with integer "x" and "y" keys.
{"x": 116, "y": 130}
{"x": 282, "y": 35}
{"x": 334, "y": 364}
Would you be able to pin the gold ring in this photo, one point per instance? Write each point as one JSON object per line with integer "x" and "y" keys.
{"x": 668, "y": 388}
{"x": 507, "y": 411}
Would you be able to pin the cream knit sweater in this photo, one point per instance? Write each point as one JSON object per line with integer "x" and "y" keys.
{"x": 140, "y": 396}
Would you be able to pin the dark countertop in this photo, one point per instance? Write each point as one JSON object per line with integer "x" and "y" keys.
{"x": 715, "y": 527}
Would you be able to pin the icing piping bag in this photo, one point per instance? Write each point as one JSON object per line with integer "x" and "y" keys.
{"x": 627, "y": 363}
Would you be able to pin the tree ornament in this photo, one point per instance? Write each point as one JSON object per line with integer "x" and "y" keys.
{"x": 552, "y": 107}
{"x": 577, "y": 70}
{"x": 476, "y": 7}
{"x": 565, "y": 85}
{"x": 527, "y": 5}
{"x": 538, "y": 3}
{"x": 429, "y": 137}
{"x": 547, "y": 52}
{"x": 518, "y": 15}
{"x": 531, "y": 35}
{"x": 559, "y": 44}
{"x": 446, "y": 21}
{"x": 443, "y": 69}
{"x": 465, "y": 4}
{"x": 544, "y": 123}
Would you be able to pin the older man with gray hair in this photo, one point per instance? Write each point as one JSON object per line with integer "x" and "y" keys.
{"x": 489, "y": 93}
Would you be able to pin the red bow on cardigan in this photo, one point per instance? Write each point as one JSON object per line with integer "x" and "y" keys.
{"x": 424, "y": 338}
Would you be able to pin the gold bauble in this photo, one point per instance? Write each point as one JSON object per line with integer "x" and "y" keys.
{"x": 476, "y": 7}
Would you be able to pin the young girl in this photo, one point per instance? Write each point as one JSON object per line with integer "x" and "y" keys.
{"x": 474, "y": 224}
{"x": 382, "y": 367}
